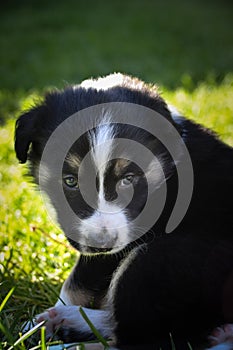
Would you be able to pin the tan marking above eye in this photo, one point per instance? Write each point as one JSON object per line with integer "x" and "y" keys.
{"x": 120, "y": 165}
{"x": 73, "y": 161}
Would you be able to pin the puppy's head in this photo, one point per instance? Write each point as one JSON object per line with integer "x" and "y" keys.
{"x": 105, "y": 178}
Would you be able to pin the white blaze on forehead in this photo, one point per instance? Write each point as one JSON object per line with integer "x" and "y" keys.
{"x": 102, "y": 144}
{"x": 108, "y": 226}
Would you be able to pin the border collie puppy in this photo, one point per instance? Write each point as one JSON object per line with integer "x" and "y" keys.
{"x": 138, "y": 286}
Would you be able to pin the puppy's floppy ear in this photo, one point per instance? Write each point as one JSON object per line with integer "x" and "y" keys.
{"x": 25, "y": 133}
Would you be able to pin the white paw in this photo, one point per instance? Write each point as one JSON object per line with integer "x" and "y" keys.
{"x": 70, "y": 318}
{"x": 222, "y": 337}
{"x": 62, "y": 316}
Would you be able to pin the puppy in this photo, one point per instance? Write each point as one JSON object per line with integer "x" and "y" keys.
{"x": 105, "y": 152}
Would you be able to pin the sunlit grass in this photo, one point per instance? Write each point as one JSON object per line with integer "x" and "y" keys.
{"x": 208, "y": 104}
{"x": 31, "y": 260}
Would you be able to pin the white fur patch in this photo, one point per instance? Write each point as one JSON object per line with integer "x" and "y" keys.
{"x": 104, "y": 83}
{"x": 107, "y": 228}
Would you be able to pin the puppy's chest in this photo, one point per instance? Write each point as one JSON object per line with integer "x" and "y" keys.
{"x": 90, "y": 280}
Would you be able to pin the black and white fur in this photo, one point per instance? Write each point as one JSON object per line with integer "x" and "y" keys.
{"x": 161, "y": 284}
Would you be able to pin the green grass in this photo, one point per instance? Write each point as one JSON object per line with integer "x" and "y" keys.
{"x": 46, "y": 43}
{"x": 185, "y": 46}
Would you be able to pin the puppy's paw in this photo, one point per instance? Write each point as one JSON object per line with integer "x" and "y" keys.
{"x": 69, "y": 325}
{"x": 59, "y": 318}
{"x": 222, "y": 337}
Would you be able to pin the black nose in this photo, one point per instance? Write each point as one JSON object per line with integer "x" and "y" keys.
{"x": 104, "y": 240}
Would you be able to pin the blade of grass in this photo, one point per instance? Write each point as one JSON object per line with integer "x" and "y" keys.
{"x": 27, "y": 335}
{"x": 93, "y": 329}
{"x": 22, "y": 343}
{"x": 172, "y": 342}
{"x": 7, "y": 297}
{"x": 36, "y": 347}
{"x": 43, "y": 338}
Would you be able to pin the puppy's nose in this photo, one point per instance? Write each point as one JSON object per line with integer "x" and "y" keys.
{"x": 106, "y": 238}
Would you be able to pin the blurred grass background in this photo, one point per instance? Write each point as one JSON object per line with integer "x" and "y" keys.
{"x": 169, "y": 42}
{"x": 184, "y": 46}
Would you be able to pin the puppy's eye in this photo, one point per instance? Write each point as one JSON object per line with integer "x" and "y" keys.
{"x": 127, "y": 180}
{"x": 70, "y": 181}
